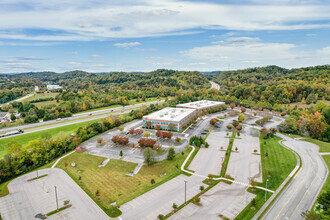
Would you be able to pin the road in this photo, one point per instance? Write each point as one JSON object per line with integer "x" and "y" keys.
{"x": 215, "y": 85}
{"x": 304, "y": 188}
{"x": 19, "y": 99}
{"x": 26, "y": 199}
{"x": 73, "y": 120}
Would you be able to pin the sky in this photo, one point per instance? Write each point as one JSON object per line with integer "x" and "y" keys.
{"x": 145, "y": 35}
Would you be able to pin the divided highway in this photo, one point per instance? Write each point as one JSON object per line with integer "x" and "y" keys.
{"x": 88, "y": 116}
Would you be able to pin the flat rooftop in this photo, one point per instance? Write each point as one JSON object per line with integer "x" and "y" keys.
{"x": 169, "y": 114}
{"x": 200, "y": 104}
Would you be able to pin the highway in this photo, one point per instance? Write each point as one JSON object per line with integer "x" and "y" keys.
{"x": 87, "y": 116}
{"x": 302, "y": 191}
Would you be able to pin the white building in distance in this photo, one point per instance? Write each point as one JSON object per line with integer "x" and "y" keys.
{"x": 52, "y": 87}
{"x": 201, "y": 105}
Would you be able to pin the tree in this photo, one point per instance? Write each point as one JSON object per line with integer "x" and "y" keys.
{"x": 12, "y": 117}
{"x": 171, "y": 127}
{"x": 121, "y": 128}
{"x": 232, "y": 105}
{"x": 146, "y": 134}
{"x": 229, "y": 127}
{"x": 243, "y": 109}
{"x": 235, "y": 123}
{"x": 241, "y": 117}
{"x": 148, "y": 124}
{"x": 316, "y": 126}
{"x": 14, "y": 147}
{"x": 139, "y": 115}
{"x": 149, "y": 156}
{"x": 236, "y": 149}
{"x": 158, "y": 127}
{"x": 174, "y": 206}
{"x": 177, "y": 140}
{"x": 201, "y": 188}
{"x": 121, "y": 153}
{"x": 161, "y": 217}
{"x": 213, "y": 121}
{"x": 99, "y": 140}
{"x": 171, "y": 153}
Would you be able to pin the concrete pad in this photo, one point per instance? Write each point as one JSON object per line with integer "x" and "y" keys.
{"x": 212, "y": 156}
{"x": 160, "y": 200}
{"x": 26, "y": 199}
{"x": 245, "y": 164}
{"x": 228, "y": 200}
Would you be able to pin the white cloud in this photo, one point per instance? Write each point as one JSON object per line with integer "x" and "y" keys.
{"x": 127, "y": 45}
{"x": 90, "y": 20}
{"x": 245, "y": 52}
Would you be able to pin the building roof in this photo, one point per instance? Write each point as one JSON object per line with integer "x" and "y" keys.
{"x": 169, "y": 114}
{"x": 200, "y": 104}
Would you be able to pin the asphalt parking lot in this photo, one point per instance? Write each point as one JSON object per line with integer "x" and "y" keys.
{"x": 27, "y": 199}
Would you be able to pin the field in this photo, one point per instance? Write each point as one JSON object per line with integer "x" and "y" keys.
{"x": 301, "y": 105}
{"x": 46, "y": 103}
{"x": 111, "y": 180}
{"x": 326, "y": 186}
{"x": 25, "y": 138}
{"x": 324, "y": 146}
{"x": 279, "y": 163}
{"x": 40, "y": 96}
{"x": 276, "y": 167}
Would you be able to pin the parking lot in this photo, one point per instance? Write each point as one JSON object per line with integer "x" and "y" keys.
{"x": 29, "y": 198}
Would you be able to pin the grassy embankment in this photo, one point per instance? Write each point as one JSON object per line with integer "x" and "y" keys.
{"x": 276, "y": 167}
{"x": 324, "y": 146}
{"x": 111, "y": 181}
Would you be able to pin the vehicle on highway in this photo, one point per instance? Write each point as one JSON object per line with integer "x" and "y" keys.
{"x": 58, "y": 119}
{"x": 12, "y": 133}
{"x": 191, "y": 128}
{"x": 90, "y": 114}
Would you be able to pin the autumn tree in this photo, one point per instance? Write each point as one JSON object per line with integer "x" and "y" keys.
{"x": 241, "y": 117}
{"x": 232, "y": 105}
{"x": 243, "y": 109}
{"x": 14, "y": 147}
{"x": 315, "y": 125}
{"x": 213, "y": 121}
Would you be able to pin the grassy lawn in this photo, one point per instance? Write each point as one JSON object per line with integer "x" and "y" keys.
{"x": 279, "y": 163}
{"x": 111, "y": 180}
{"x": 324, "y": 146}
{"x": 40, "y": 96}
{"x": 228, "y": 152}
{"x": 25, "y": 138}
{"x": 251, "y": 209}
{"x": 46, "y": 103}
{"x": 326, "y": 186}
{"x": 276, "y": 167}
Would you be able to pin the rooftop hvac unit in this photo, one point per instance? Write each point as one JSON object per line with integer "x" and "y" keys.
{"x": 161, "y": 116}
{"x": 166, "y": 113}
{"x": 172, "y": 116}
{"x": 182, "y": 110}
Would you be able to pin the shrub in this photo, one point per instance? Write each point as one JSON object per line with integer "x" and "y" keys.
{"x": 177, "y": 140}
{"x": 120, "y": 140}
{"x": 174, "y": 206}
{"x": 213, "y": 121}
{"x": 201, "y": 188}
{"x": 255, "y": 151}
{"x": 66, "y": 202}
{"x": 146, "y": 142}
{"x": 171, "y": 154}
{"x": 161, "y": 217}
{"x": 152, "y": 181}
{"x": 99, "y": 140}
{"x": 229, "y": 127}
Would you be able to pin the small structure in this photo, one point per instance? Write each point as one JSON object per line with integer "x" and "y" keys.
{"x": 52, "y": 87}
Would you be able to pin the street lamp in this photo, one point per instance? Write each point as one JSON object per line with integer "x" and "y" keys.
{"x": 266, "y": 190}
{"x": 56, "y": 198}
{"x": 185, "y": 191}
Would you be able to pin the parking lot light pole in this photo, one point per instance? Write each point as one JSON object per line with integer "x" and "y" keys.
{"x": 56, "y": 198}
{"x": 185, "y": 191}
{"x": 266, "y": 190}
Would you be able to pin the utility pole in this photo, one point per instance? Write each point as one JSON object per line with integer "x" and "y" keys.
{"x": 185, "y": 191}
{"x": 266, "y": 190}
{"x": 56, "y": 198}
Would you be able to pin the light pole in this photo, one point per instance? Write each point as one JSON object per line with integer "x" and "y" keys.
{"x": 56, "y": 198}
{"x": 185, "y": 191}
{"x": 266, "y": 190}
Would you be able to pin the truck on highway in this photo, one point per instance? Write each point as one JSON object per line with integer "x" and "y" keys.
{"x": 11, "y": 133}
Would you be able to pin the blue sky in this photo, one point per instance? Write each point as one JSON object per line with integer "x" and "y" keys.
{"x": 144, "y": 35}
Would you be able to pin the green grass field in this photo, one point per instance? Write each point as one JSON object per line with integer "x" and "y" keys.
{"x": 276, "y": 167}
{"x": 324, "y": 146}
{"x": 25, "y": 138}
{"x": 279, "y": 163}
{"x": 46, "y": 103}
{"x": 40, "y": 96}
{"x": 326, "y": 186}
{"x": 111, "y": 180}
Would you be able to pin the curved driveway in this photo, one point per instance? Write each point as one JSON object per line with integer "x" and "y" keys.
{"x": 302, "y": 191}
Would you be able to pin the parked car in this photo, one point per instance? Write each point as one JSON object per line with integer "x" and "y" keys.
{"x": 191, "y": 128}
